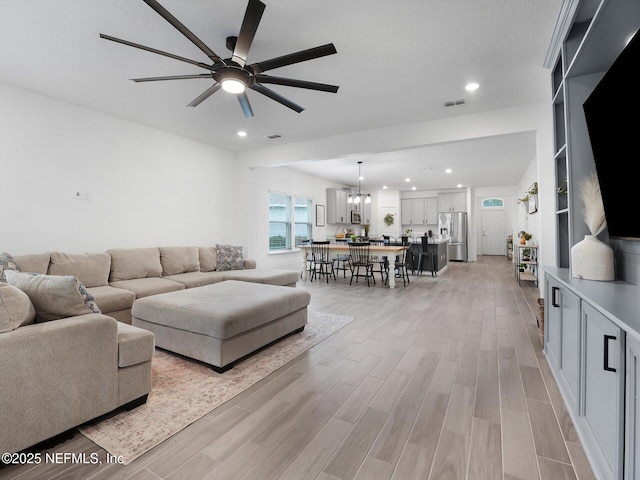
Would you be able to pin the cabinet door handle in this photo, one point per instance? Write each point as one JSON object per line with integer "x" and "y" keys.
{"x": 606, "y": 353}
{"x": 554, "y": 300}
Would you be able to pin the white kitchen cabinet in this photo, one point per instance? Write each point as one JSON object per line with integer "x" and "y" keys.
{"x": 452, "y": 202}
{"x": 337, "y": 211}
{"x": 419, "y": 211}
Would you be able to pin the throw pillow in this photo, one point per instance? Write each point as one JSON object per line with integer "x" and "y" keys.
{"x": 15, "y": 308}
{"x": 6, "y": 263}
{"x": 54, "y": 296}
{"x": 229, "y": 257}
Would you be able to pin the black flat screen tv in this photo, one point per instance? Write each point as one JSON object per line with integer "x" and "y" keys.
{"x": 612, "y": 113}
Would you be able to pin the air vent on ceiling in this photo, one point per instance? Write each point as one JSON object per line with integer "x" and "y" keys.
{"x": 453, "y": 103}
{"x": 273, "y": 137}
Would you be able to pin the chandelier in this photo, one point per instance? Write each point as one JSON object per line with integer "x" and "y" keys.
{"x": 357, "y": 198}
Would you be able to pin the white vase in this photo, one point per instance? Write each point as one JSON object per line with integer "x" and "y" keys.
{"x": 592, "y": 259}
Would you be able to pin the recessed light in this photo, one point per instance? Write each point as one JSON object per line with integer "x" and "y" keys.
{"x": 459, "y": 185}
{"x": 242, "y": 133}
{"x": 384, "y": 187}
{"x": 448, "y": 170}
{"x": 471, "y": 87}
{"x": 407, "y": 179}
{"x": 413, "y": 188}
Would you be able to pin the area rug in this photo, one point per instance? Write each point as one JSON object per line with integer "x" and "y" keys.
{"x": 184, "y": 391}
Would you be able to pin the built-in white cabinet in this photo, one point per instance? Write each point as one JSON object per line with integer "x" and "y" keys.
{"x": 603, "y": 392}
{"x": 337, "y": 211}
{"x": 587, "y": 327}
{"x": 632, "y": 411}
{"x": 452, "y": 202}
{"x": 365, "y": 213}
{"x": 562, "y": 326}
{"x": 419, "y": 211}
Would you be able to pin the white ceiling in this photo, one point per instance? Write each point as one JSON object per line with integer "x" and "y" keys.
{"x": 397, "y": 62}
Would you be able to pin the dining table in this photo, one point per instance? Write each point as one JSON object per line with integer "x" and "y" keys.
{"x": 390, "y": 251}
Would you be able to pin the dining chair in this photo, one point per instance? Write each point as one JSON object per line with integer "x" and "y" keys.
{"x": 360, "y": 258}
{"x": 400, "y": 269}
{"x": 428, "y": 252}
{"x": 342, "y": 262}
{"x": 322, "y": 265}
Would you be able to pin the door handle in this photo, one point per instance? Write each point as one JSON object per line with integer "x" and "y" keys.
{"x": 606, "y": 353}
{"x": 554, "y": 300}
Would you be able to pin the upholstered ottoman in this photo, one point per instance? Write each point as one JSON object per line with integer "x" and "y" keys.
{"x": 223, "y": 322}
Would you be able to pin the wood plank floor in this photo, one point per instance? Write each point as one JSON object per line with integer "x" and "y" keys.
{"x": 442, "y": 379}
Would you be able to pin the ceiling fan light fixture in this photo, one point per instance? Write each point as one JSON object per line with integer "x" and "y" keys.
{"x": 232, "y": 85}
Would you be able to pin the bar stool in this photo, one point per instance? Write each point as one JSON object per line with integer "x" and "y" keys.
{"x": 427, "y": 252}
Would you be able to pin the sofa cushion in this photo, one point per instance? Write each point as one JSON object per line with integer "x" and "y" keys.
{"x": 143, "y": 287}
{"x": 177, "y": 260}
{"x": 6, "y": 263}
{"x": 33, "y": 262}
{"x": 130, "y": 263}
{"x": 54, "y": 296}
{"x": 229, "y": 257}
{"x": 207, "y": 257}
{"x": 270, "y": 276}
{"x": 135, "y": 345}
{"x": 111, "y": 299}
{"x": 92, "y": 269}
{"x": 197, "y": 279}
{"x": 16, "y": 308}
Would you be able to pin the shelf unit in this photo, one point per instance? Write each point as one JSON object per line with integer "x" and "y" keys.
{"x": 589, "y": 36}
{"x": 530, "y": 272}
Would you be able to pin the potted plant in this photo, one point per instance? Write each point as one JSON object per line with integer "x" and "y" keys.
{"x": 354, "y": 238}
{"x": 524, "y": 237}
{"x": 366, "y": 230}
{"x": 525, "y": 254}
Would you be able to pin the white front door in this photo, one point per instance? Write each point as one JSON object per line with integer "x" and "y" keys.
{"x": 494, "y": 240}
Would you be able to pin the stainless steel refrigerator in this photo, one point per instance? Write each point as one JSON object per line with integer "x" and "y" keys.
{"x": 454, "y": 225}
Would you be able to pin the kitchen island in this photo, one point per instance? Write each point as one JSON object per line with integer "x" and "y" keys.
{"x": 438, "y": 244}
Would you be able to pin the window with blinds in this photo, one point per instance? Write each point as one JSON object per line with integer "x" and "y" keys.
{"x": 289, "y": 221}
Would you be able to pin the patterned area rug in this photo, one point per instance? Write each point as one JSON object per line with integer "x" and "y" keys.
{"x": 184, "y": 391}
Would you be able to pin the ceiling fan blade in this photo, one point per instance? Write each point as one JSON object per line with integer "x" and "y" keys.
{"x": 164, "y": 13}
{"x": 250, "y": 23}
{"x": 172, "y": 77}
{"x": 204, "y": 95}
{"x": 159, "y": 52}
{"x": 244, "y": 103}
{"x": 292, "y": 82}
{"x": 292, "y": 58}
{"x": 275, "y": 96}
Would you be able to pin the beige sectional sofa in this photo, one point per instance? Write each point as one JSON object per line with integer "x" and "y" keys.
{"x": 59, "y": 374}
{"x": 118, "y": 276}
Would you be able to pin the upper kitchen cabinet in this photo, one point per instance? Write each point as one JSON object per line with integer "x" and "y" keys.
{"x": 419, "y": 211}
{"x": 337, "y": 211}
{"x": 452, "y": 202}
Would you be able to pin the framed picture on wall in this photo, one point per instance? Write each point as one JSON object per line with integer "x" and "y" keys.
{"x": 533, "y": 203}
{"x": 319, "y": 215}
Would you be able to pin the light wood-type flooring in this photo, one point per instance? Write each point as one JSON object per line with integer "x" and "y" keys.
{"x": 441, "y": 379}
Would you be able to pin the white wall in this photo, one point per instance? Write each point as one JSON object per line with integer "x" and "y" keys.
{"x": 257, "y": 185}
{"x": 147, "y": 187}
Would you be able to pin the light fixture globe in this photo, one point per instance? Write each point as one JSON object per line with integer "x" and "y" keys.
{"x": 232, "y": 85}
{"x": 233, "y": 79}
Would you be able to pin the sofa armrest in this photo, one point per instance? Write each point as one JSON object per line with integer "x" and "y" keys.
{"x": 55, "y": 376}
{"x": 249, "y": 263}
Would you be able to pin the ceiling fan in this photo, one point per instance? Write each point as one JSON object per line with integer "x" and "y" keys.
{"x": 233, "y": 74}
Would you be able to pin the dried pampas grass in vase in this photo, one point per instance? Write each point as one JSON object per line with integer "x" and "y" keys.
{"x": 592, "y": 259}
